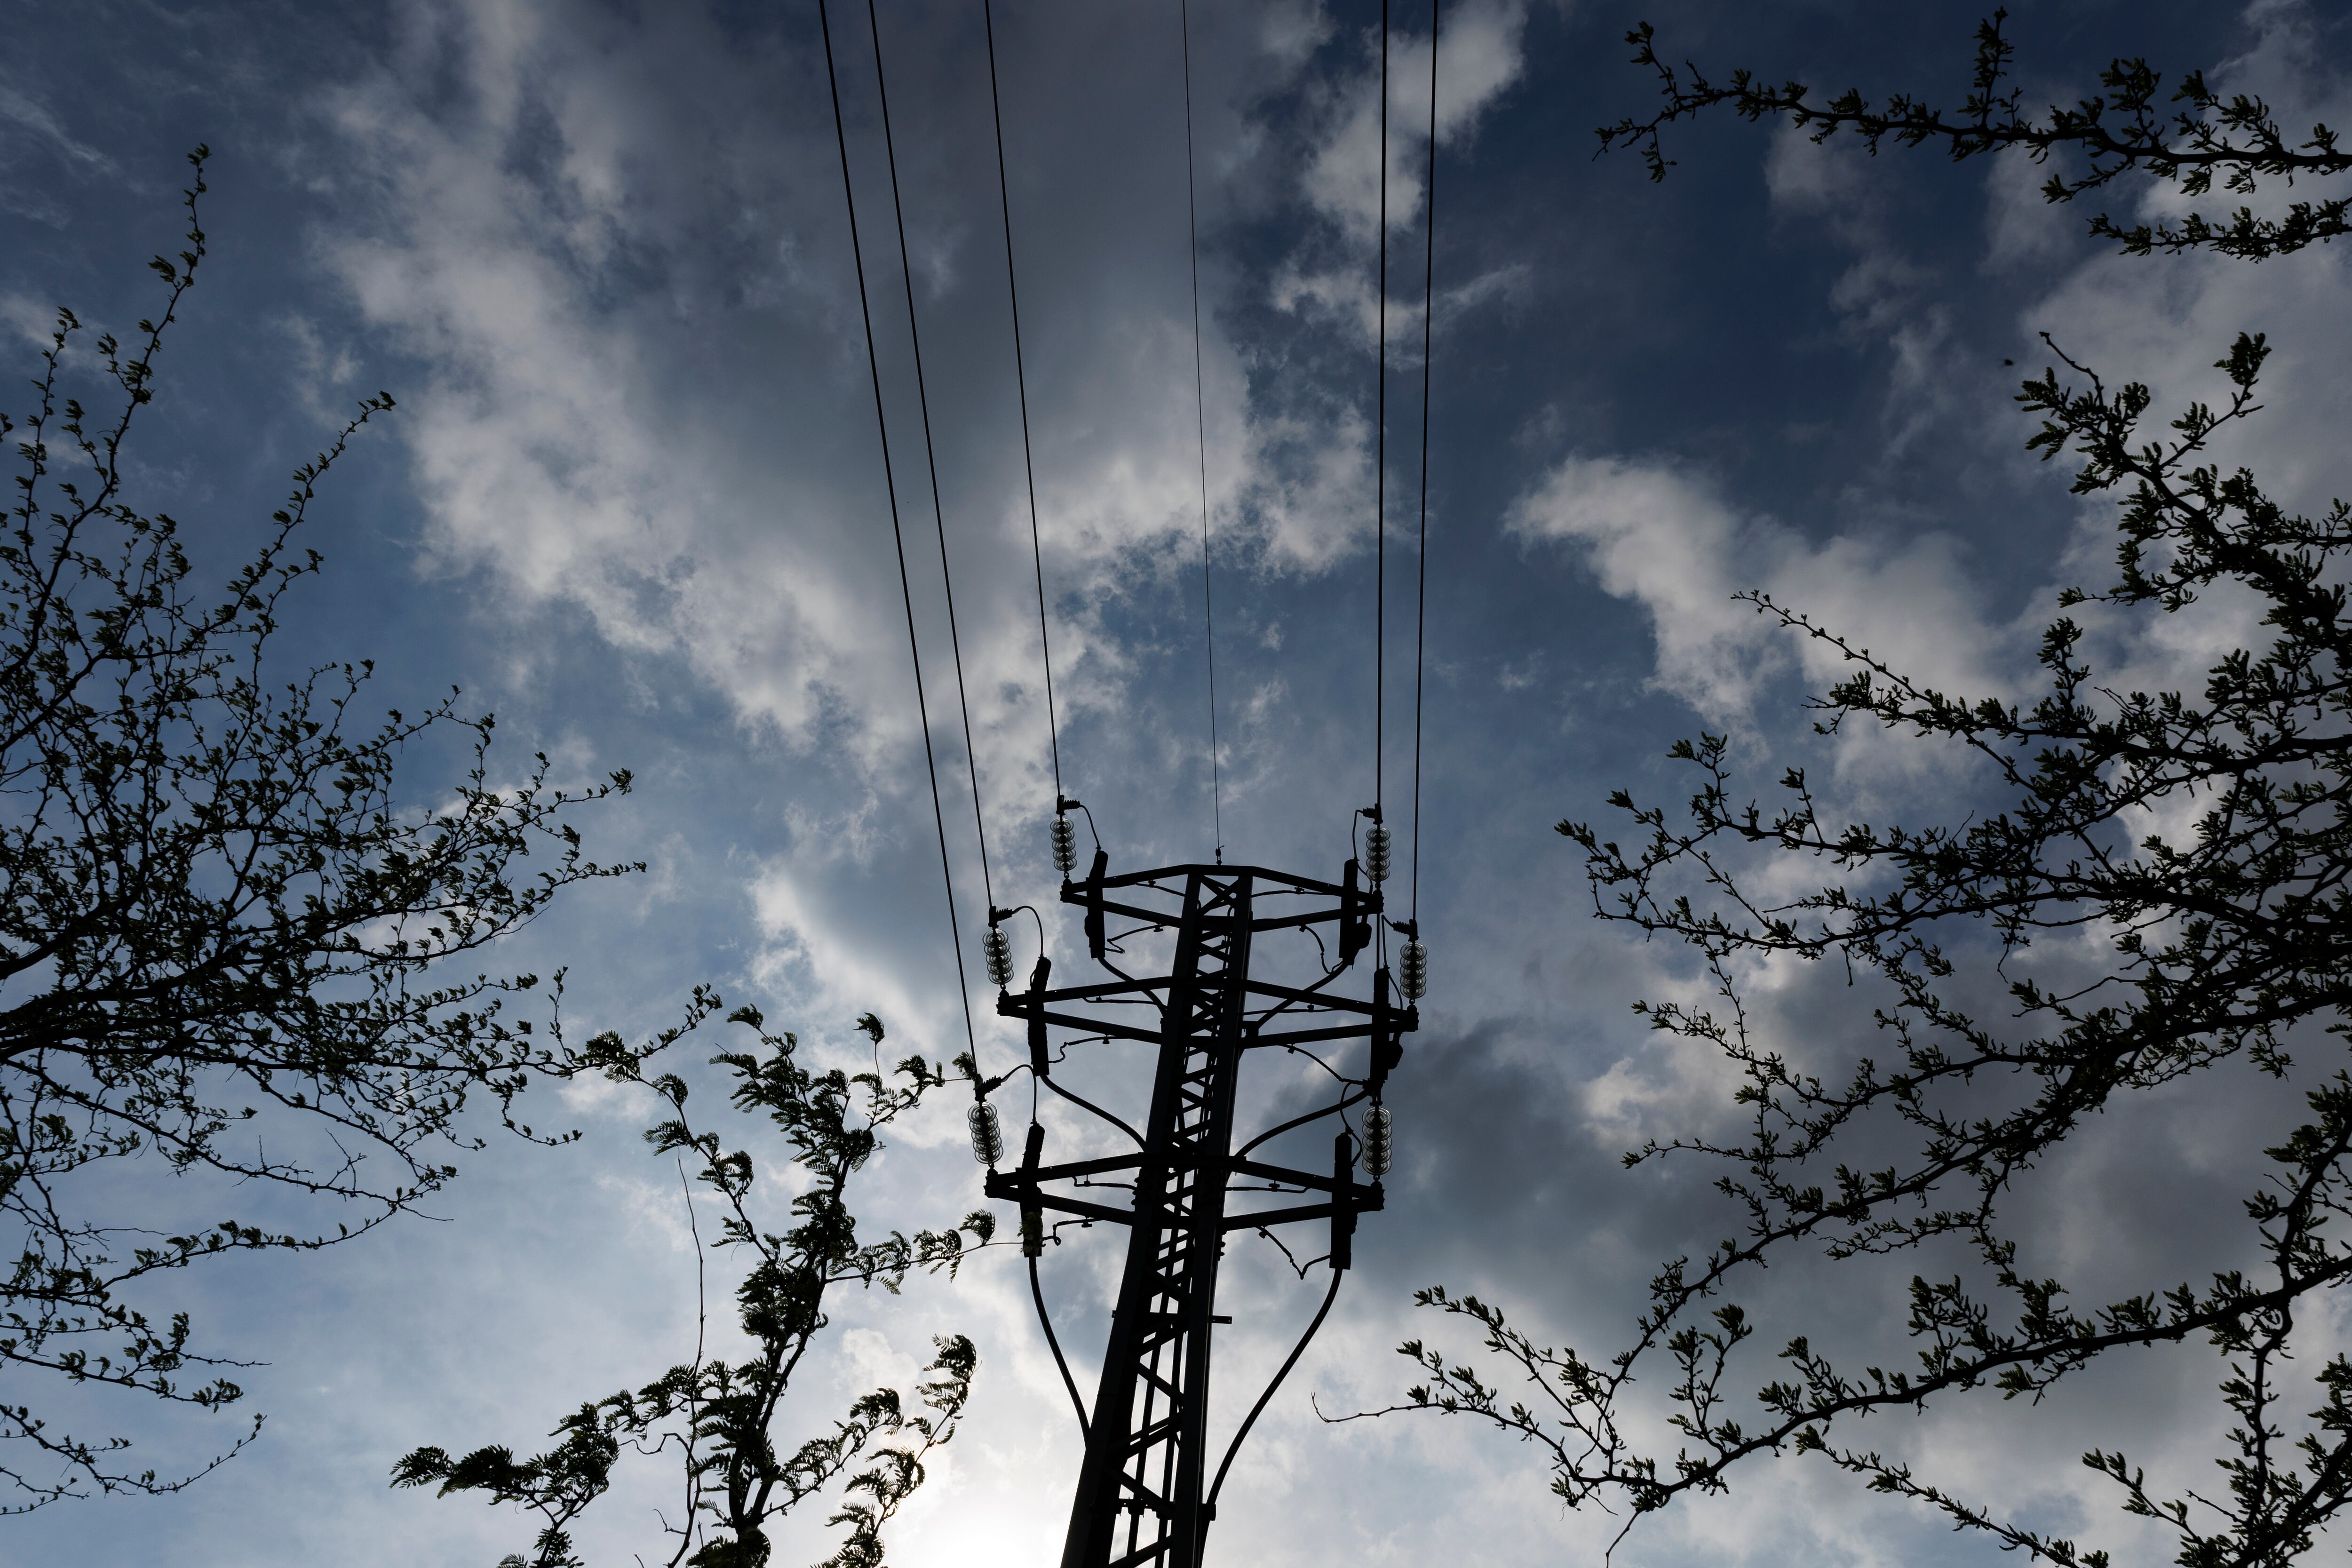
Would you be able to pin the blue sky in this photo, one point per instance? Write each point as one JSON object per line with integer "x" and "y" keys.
{"x": 632, "y": 501}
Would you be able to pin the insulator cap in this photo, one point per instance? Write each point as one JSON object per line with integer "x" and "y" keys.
{"x": 987, "y": 1133}
{"x": 1413, "y": 970}
{"x": 1376, "y": 853}
{"x": 1380, "y": 1146}
{"x": 1065, "y": 845}
{"x": 997, "y": 948}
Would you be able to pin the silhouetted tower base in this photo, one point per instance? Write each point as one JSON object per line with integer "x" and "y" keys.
{"x": 1145, "y": 1493}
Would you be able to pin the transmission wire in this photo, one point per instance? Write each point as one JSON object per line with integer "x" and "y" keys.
{"x": 1380, "y": 457}
{"x": 938, "y": 514}
{"x": 1021, "y": 382}
{"x": 1201, "y": 420}
{"x": 890, "y": 482}
{"x": 1420, "y": 601}
{"x": 1044, "y": 646}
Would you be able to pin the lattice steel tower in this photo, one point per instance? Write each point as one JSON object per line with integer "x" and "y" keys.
{"x": 1145, "y": 1492}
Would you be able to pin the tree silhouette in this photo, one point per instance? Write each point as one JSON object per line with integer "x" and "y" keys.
{"x": 2204, "y": 836}
{"x": 717, "y": 1419}
{"x": 228, "y": 936}
{"x": 2119, "y": 131}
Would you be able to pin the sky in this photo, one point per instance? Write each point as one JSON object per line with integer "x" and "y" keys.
{"x": 632, "y": 502}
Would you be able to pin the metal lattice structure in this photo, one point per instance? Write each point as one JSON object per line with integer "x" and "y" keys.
{"x": 1145, "y": 1493}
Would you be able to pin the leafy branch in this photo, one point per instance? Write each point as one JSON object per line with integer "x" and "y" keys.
{"x": 226, "y": 931}
{"x": 2125, "y": 128}
{"x": 717, "y": 1417}
{"x": 2229, "y": 942}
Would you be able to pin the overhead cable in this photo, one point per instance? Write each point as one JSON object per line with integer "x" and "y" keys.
{"x": 890, "y": 482}
{"x": 938, "y": 514}
{"x": 1380, "y": 457}
{"x": 1201, "y": 421}
{"x": 1021, "y": 385}
{"x": 1421, "y": 599}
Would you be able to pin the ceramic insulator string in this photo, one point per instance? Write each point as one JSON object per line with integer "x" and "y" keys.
{"x": 987, "y": 1132}
{"x": 1379, "y": 1146}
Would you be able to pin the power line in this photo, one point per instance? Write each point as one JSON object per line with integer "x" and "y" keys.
{"x": 1420, "y": 601}
{"x": 1380, "y": 457}
{"x": 1021, "y": 382}
{"x": 1201, "y": 419}
{"x": 890, "y": 482}
{"x": 1044, "y": 646}
{"x": 939, "y": 513}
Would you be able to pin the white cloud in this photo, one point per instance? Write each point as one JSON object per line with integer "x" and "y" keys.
{"x": 1664, "y": 537}
{"x": 29, "y": 320}
{"x": 1479, "y": 57}
{"x": 32, "y": 115}
{"x": 814, "y": 953}
{"x": 684, "y": 450}
{"x": 2022, "y": 228}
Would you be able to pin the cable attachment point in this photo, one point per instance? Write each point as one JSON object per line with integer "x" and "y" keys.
{"x": 1033, "y": 1218}
{"x": 1343, "y": 1213}
{"x": 997, "y": 948}
{"x": 1355, "y": 916}
{"x": 1379, "y": 1146}
{"x": 987, "y": 1133}
{"x": 1066, "y": 843}
{"x": 1413, "y": 970}
{"x": 1040, "y": 1062}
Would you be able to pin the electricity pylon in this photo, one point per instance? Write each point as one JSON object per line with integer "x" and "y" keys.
{"x": 1145, "y": 1493}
